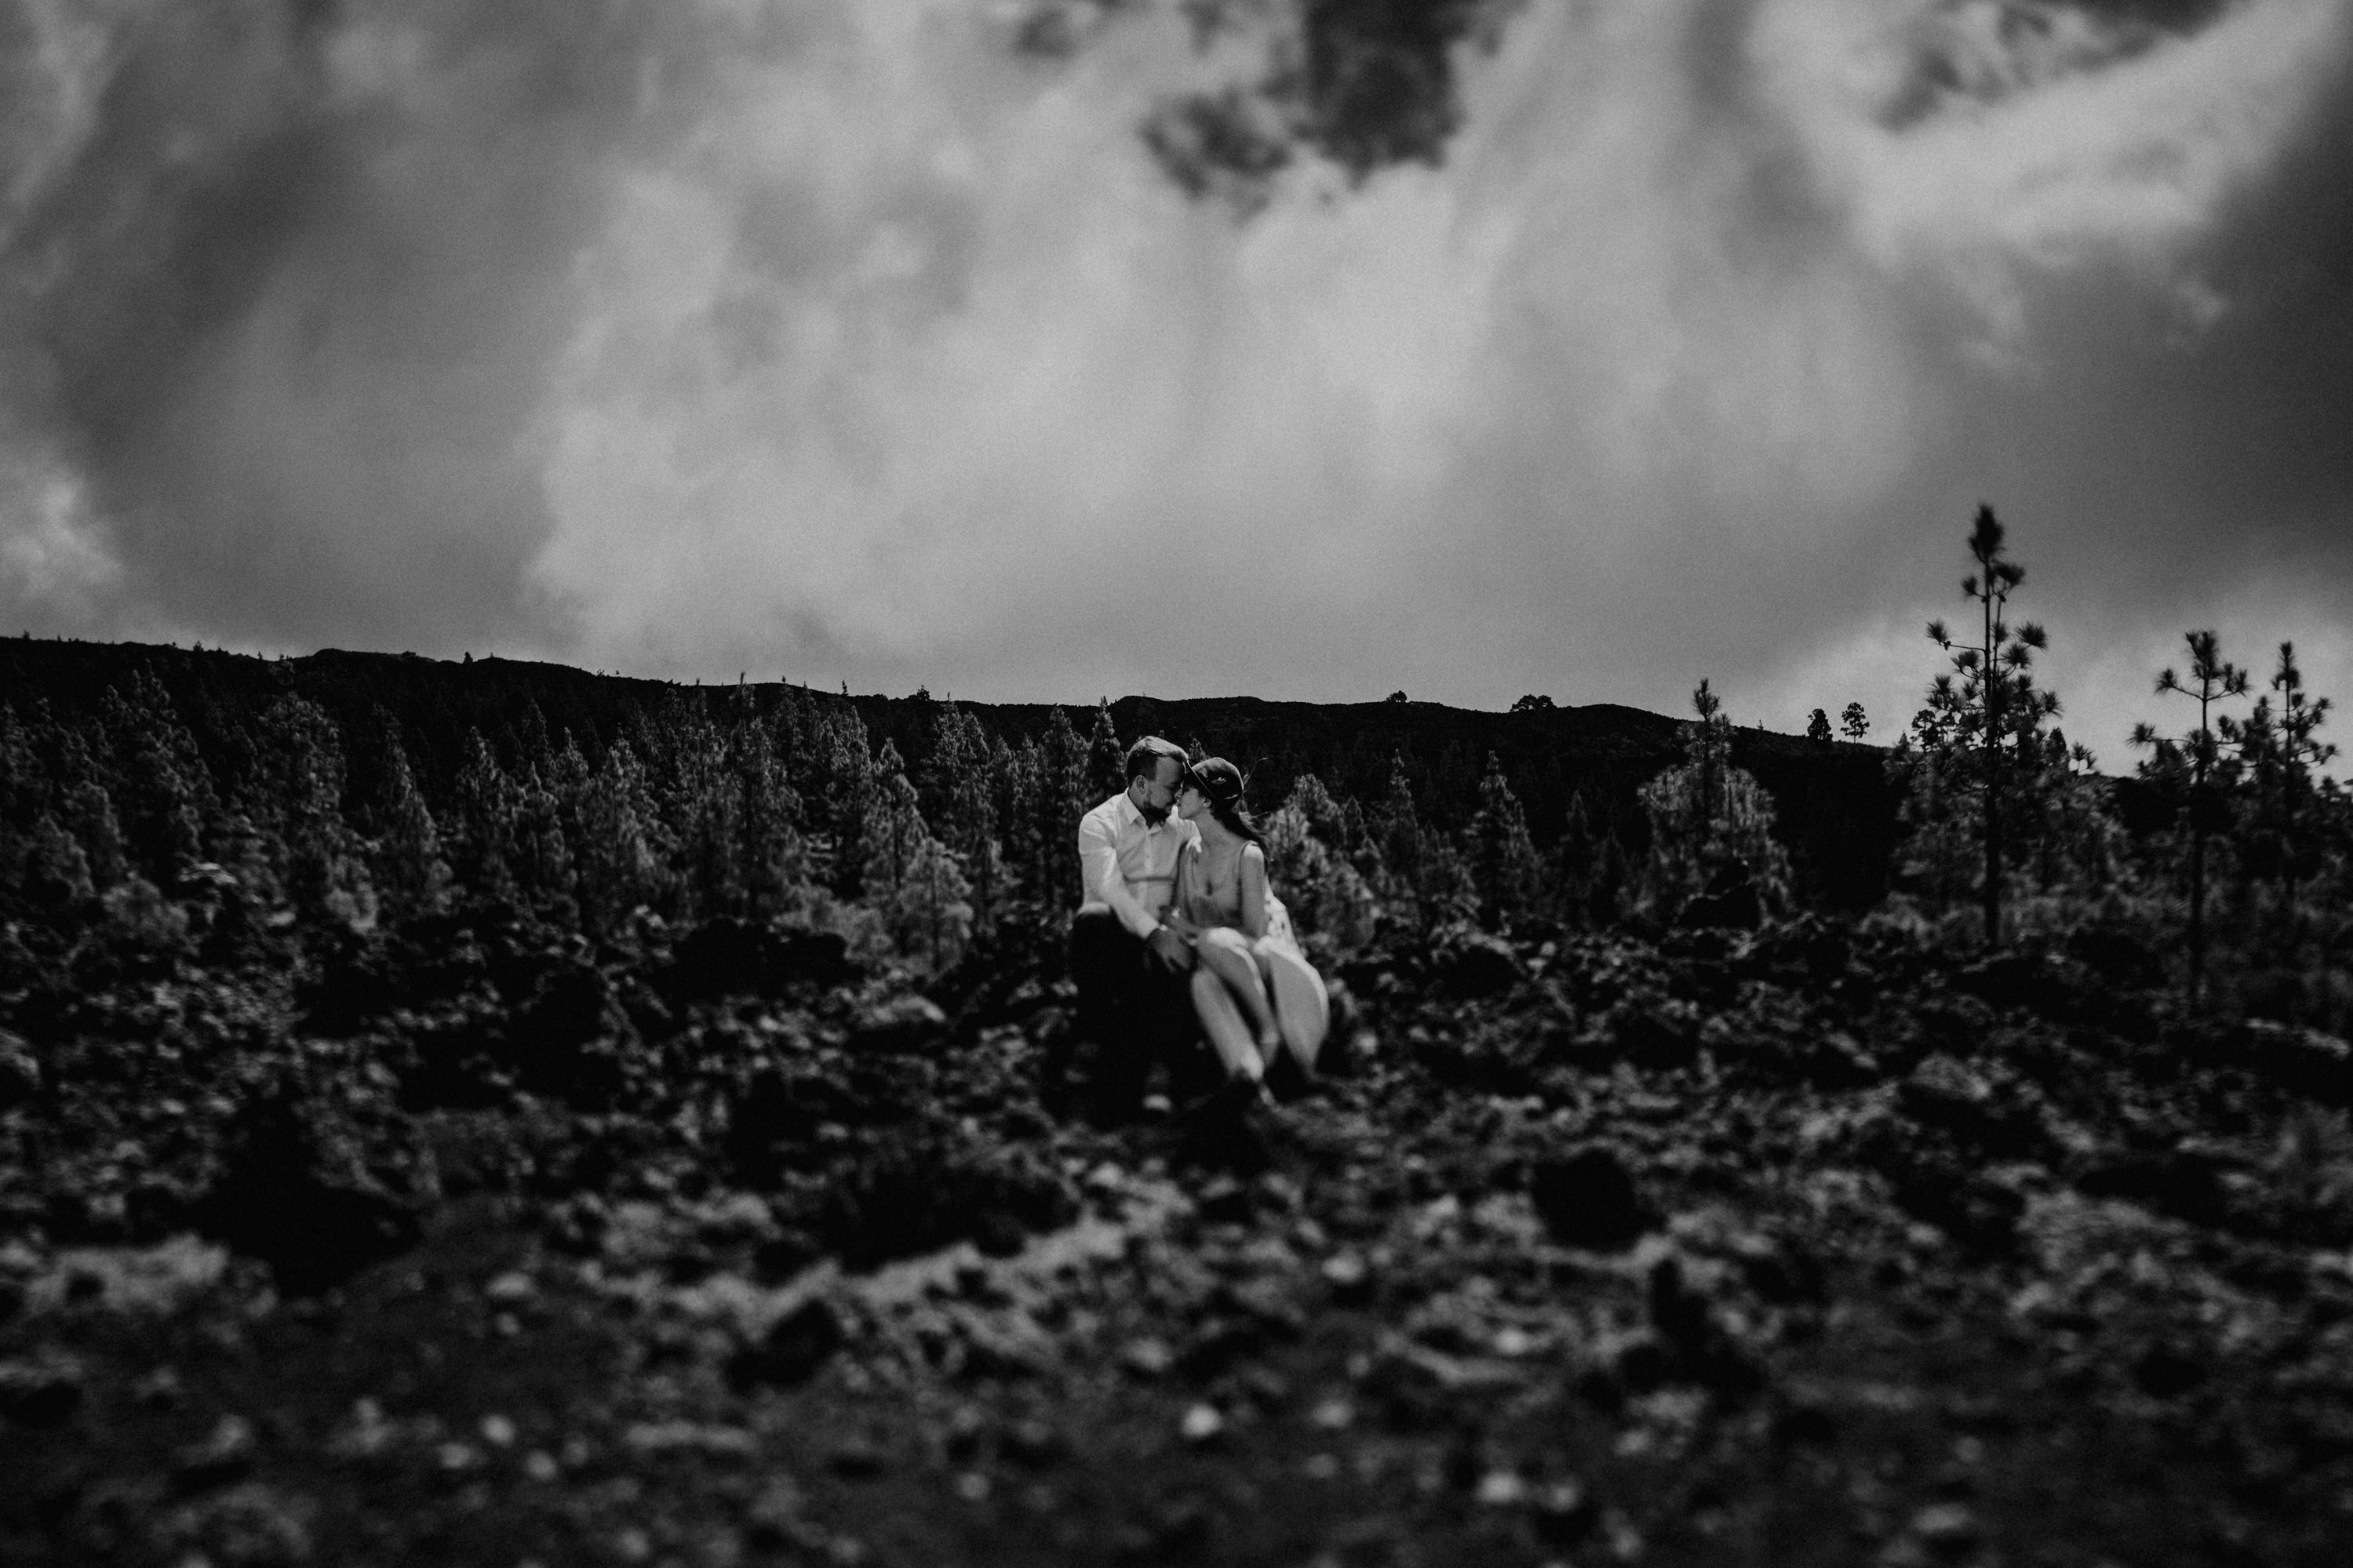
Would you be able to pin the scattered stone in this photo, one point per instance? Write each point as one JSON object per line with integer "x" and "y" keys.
{"x": 1202, "y": 1423}
{"x": 1147, "y": 1357}
{"x": 1222, "y": 1200}
{"x": 907, "y": 1023}
{"x": 1034, "y": 1443}
{"x": 225, "y": 1455}
{"x": 1564, "y": 1512}
{"x": 856, "y": 1459}
{"x": 1474, "y": 966}
{"x": 159, "y": 1389}
{"x": 1946, "y": 1528}
{"x": 511, "y": 1288}
{"x": 777, "y": 1519}
{"x": 1349, "y": 1275}
{"x": 793, "y": 1348}
{"x": 652, "y": 1437}
{"x": 249, "y": 1526}
{"x": 157, "y": 1279}
{"x": 39, "y": 1391}
{"x": 20, "y": 1070}
{"x": 1589, "y": 1198}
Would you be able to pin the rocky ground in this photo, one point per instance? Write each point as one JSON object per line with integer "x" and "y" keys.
{"x": 1807, "y": 1246}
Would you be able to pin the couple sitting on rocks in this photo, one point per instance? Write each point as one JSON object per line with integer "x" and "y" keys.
{"x": 1181, "y": 938}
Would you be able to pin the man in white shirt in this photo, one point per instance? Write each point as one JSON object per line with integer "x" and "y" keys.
{"x": 1131, "y": 969}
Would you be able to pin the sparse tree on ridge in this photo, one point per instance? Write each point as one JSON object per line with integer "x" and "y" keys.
{"x": 2193, "y": 769}
{"x": 2280, "y": 760}
{"x": 1818, "y": 728}
{"x": 1991, "y": 718}
{"x": 1852, "y": 723}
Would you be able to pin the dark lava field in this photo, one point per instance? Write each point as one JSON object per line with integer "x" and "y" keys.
{"x": 474, "y": 1244}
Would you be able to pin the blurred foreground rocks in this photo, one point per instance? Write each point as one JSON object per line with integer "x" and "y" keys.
{"x": 1755, "y": 1241}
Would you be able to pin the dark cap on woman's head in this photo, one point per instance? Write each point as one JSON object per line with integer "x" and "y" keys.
{"x": 1217, "y": 778}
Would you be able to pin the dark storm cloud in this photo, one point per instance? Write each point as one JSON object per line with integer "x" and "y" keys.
{"x": 854, "y": 340}
{"x": 281, "y": 284}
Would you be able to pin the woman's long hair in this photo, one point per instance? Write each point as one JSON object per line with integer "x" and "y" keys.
{"x": 1221, "y": 782}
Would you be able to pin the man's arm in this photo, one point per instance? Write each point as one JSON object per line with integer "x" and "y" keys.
{"x": 1099, "y": 870}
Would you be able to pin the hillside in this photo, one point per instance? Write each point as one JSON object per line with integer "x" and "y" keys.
{"x": 1835, "y": 809}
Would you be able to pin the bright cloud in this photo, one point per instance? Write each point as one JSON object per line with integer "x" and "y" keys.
{"x": 839, "y": 339}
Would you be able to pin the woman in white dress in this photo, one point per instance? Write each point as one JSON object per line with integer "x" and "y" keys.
{"x": 1239, "y": 930}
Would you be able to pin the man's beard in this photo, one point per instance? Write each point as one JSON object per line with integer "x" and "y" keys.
{"x": 1153, "y": 816}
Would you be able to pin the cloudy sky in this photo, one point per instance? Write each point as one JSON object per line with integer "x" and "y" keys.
{"x": 867, "y": 341}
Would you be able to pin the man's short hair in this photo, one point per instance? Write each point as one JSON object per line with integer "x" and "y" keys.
{"x": 1143, "y": 757}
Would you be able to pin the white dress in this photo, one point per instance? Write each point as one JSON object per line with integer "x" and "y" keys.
{"x": 1302, "y": 1007}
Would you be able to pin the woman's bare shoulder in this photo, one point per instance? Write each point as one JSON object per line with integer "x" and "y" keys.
{"x": 1253, "y": 855}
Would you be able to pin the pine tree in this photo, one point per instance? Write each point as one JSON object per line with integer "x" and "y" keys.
{"x": 1323, "y": 892}
{"x": 931, "y": 916}
{"x": 1990, "y": 722}
{"x": 845, "y": 781}
{"x": 410, "y": 874}
{"x": 163, "y": 790}
{"x": 482, "y": 824}
{"x": 1573, "y": 862}
{"x": 24, "y": 794}
{"x": 542, "y": 863}
{"x": 1063, "y": 798}
{"x": 1852, "y": 723}
{"x": 1818, "y": 728}
{"x": 623, "y": 862}
{"x": 2280, "y": 759}
{"x": 301, "y": 779}
{"x": 960, "y": 804}
{"x": 1503, "y": 864}
{"x": 1397, "y": 830}
{"x": 1106, "y": 759}
{"x": 90, "y": 816}
{"x": 1707, "y": 815}
{"x": 911, "y": 879}
{"x": 776, "y": 860}
{"x": 55, "y": 873}
{"x": 2193, "y": 771}
{"x": 702, "y": 802}
{"x": 1013, "y": 809}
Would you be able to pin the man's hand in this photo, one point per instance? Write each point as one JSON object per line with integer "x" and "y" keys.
{"x": 1169, "y": 948}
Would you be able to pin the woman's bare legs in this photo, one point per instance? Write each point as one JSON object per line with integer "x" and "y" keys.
{"x": 1226, "y": 953}
{"x": 1229, "y": 1033}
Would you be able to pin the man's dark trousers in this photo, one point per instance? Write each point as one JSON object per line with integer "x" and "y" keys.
{"x": 1132, "y": 1010}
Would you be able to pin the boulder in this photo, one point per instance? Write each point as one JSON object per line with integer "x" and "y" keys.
{"x": 1589, "y": 1198}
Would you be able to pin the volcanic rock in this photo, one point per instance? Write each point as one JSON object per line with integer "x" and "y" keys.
{"x": 1589, "y": 1198}
{"x": 39, "y": 1391}
{"x": 907, "y": 1023}
{"x": 20, "y": 1070}
{"x": 793, "y": 1349}
{"x": 279, "y": 1200}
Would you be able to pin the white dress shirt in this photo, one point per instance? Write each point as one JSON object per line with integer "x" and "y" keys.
{"x": 1129, "y": 864}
